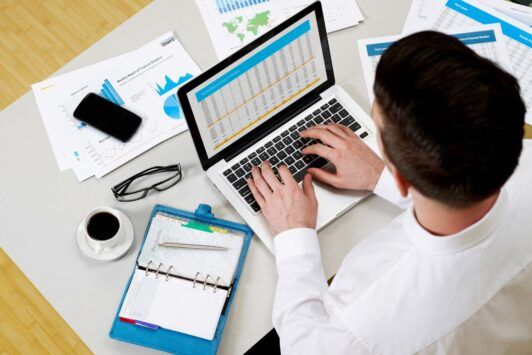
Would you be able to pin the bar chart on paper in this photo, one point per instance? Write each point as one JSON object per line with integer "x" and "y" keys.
{"x": 253, "y": 90}
{"x": 232, "y": 5}
{"x": 109, "y": 92}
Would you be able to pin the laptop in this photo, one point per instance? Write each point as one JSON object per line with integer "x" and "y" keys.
{"x": 251, "y": 106}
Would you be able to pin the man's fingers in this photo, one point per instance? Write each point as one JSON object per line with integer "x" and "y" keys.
{"x": 286, "y": 175}
{"x": 269, "y": 176}
{"x": 308, "y": 189}
{"x": 319, "y": 149}
{"x": 341, "y": 130}
{"x": 324, "y": 176}
{"x": 260, "y": 183}
{"x": 348, "y": 131}
{"x": 323, "y": 135}
{"x": 256, "y": 193}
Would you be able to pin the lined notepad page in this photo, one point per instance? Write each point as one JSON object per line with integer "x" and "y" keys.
{"x": 173, "y": 304}
{"x": 188, "y": 262}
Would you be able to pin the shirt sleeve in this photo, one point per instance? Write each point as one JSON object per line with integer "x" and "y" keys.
{"x": 305, "y": 322}
{"x": 387, "y": 190}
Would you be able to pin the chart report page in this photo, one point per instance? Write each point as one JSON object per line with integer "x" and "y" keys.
{"x": 253, "y": 89}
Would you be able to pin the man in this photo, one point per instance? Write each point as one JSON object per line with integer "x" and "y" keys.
{"x": 453, "y": 273}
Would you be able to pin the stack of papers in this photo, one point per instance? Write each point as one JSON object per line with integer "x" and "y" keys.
{"x": 234, "y": 23}
{"x": 486, "y": 40}
{"x": 144, "y": 81}
{"x": 461, "y": 15}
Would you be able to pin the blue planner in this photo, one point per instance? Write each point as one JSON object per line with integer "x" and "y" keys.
{"x": 169, "y": 340}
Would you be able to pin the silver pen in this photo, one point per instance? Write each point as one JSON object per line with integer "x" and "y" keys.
{"x": 191, "y": 246}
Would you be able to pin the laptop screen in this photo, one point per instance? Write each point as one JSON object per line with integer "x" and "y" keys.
{"x": 251, "y": 90}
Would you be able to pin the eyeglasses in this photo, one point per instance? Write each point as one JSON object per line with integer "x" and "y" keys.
{"x": 158, "y": 178}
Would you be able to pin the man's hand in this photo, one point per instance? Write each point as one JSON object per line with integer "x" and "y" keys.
{"x": 357, "y": 167}
{"x": 284, "y": 204}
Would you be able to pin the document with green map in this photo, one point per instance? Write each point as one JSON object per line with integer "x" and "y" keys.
{"x": 234, "y": 23}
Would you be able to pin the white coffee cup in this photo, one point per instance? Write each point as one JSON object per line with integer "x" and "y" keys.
{"x": 110, "y": 234}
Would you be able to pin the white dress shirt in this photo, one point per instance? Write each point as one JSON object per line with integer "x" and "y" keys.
{"x": 403, "y": 290}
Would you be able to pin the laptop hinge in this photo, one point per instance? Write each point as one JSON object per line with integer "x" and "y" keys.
{"x": 291, "y": 113}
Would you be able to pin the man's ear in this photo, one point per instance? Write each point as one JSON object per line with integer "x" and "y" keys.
{"x": 402, "y": 184}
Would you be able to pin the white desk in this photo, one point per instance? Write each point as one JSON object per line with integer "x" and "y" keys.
{"x": 40, "y": 207}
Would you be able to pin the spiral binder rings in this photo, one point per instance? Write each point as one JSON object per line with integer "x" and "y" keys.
{"x": 196, "y": 280}
{"x": 204, "y": 282}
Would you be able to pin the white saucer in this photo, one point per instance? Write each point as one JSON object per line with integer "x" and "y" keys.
{"x": 107, "y": 254}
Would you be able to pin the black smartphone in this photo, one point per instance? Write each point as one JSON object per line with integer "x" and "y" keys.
{"x": 108, "y": 117}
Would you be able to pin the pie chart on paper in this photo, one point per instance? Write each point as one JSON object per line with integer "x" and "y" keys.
{"x": 171, "y": 107}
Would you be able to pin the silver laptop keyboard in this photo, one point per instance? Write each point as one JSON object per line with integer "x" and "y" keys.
{"x": 286, "y": 149}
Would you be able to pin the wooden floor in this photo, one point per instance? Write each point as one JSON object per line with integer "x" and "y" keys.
{"x": 37, "y": 38}
{"x": 28, "y": 323}
{"x": 40, "y": 36}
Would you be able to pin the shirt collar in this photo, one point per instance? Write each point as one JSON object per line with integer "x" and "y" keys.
{"x": 460, "y": 241}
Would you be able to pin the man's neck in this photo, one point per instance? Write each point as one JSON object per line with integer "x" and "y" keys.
{"x": 442, "y": 220}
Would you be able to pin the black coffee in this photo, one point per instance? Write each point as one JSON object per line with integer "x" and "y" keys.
{"x": 103, "y": 226}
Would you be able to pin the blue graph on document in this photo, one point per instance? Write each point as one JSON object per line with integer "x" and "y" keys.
{"x": 109, "y": 92}
{"x": 171, "y": 105}
{"x": 169, "y": 84}
{"x": 232, "y": 5}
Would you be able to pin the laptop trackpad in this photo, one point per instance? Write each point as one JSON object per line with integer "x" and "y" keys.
{"x": 332, "y": 201}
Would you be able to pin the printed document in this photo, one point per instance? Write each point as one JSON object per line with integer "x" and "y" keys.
{"x": 234, "y": 23}
{"x": 418, "y": 15}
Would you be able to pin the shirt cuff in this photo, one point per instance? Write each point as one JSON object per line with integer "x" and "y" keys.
{"x": 297, "y": 241}
{"x": 386, "y": 188}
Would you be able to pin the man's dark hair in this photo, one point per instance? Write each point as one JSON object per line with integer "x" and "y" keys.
{"x": 453, "y": 121}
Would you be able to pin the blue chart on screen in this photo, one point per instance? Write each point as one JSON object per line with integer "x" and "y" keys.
{"x": 171, "y": 107}
{"x": 232, "y": 5}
